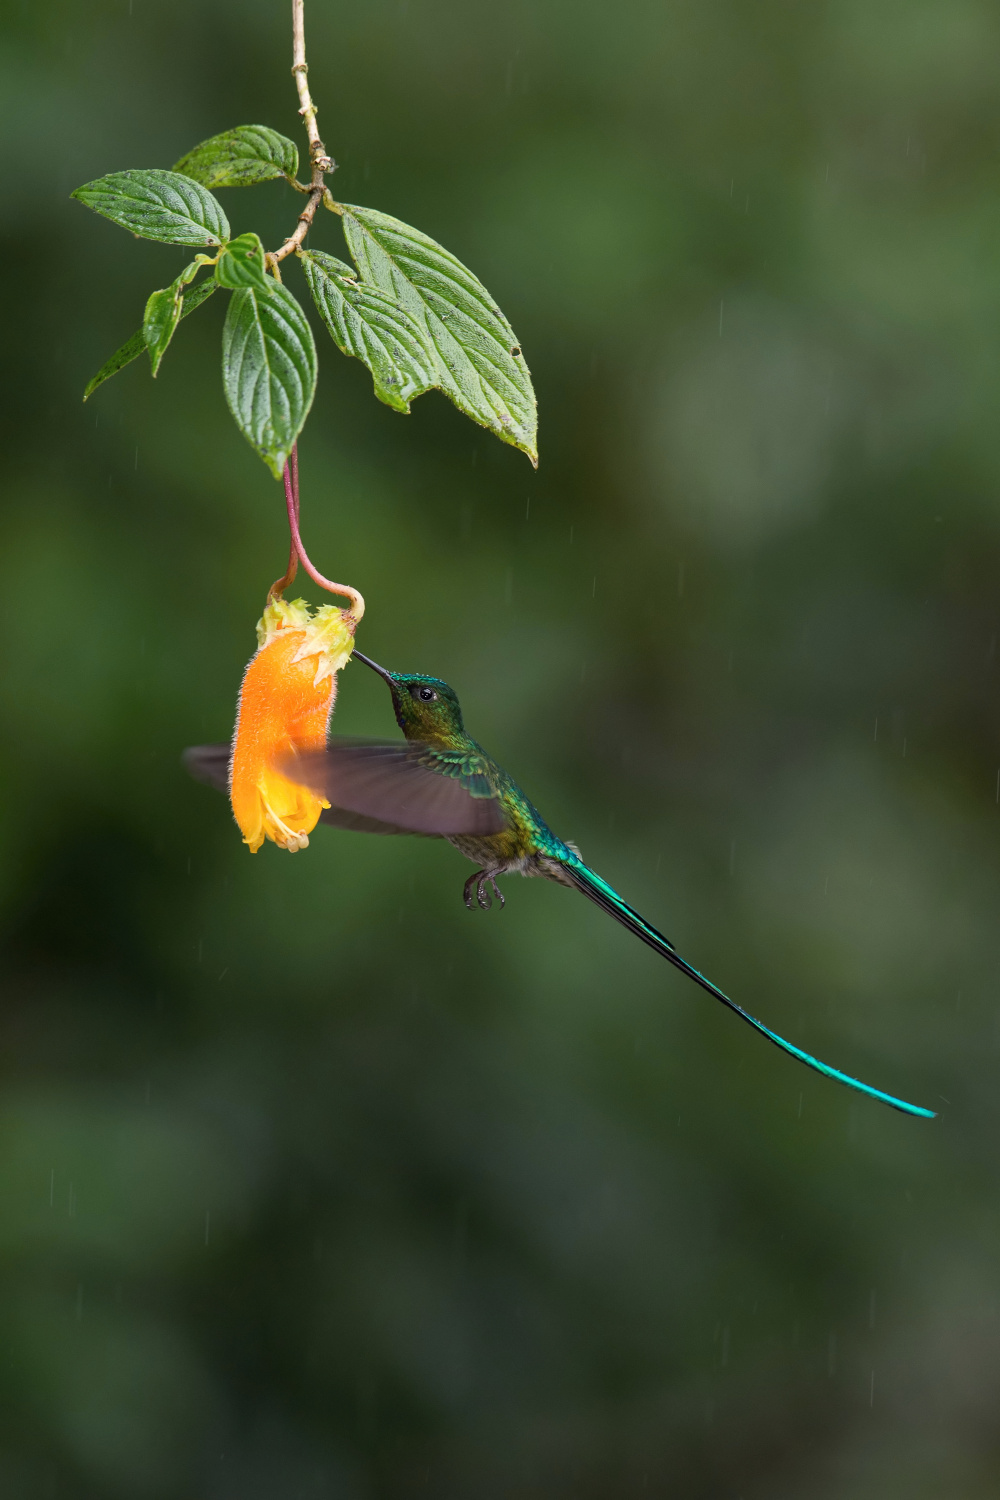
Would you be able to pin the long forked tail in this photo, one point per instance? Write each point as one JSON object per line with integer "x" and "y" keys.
{"x": 591, "y": 884}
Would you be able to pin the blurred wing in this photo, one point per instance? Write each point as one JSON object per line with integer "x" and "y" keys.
{"x": 210, "y": 764}
{"x": 403, "y": 783}
{"x": 352, "y": 822}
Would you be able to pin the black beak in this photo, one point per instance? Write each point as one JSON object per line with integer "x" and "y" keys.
{"x": 374, "y": 666}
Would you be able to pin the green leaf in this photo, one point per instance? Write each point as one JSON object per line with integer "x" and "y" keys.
{"x": 268, "y": 369}
{"x": 194, "y": 296}
{"x": 158, "y": 205}
{"x": 163, "y": 313}
{"x": 121, "y": 357}
{"x": 371, "y": 325}
{"x": 480, "y": 365}
{"x": 242, "y": 264}
{"x": 241, "y": 157}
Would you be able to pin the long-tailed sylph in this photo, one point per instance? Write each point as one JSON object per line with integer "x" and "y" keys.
{"x": 438, "y": 781}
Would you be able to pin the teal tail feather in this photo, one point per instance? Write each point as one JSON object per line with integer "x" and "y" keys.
{"x": 598, "y": 890}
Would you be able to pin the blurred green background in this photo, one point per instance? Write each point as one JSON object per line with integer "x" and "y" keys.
{"x": 312, "y": 1184}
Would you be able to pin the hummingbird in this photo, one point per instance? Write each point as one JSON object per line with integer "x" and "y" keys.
{"x": 439, "y": 782}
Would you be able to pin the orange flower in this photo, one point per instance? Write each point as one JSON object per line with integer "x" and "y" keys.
{"x": 285, "y": 703}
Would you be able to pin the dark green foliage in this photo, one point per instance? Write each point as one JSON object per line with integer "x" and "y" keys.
{"x": 412, "y": 312}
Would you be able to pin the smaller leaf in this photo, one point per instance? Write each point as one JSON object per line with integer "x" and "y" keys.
{"x": 371, "y": 325}
{"x": 268, "y": 369}
{"x": 242, "y": 264}
{"x": 241, "y": 157}
{"x": 193, "y": 297}
{"x": 163, "y": 313}
{"x": 158, "y": 205}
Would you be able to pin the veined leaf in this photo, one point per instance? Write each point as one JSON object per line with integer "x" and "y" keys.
{"x": 371, "y": 324}
{"x": 480, "y": 365}
{"x": 268, "y": 369}
{"x": 242, "y": 264}
{"x": 158, "y": 205}
{"x": 241, "y": 157}
{"x": 163, "y": 312}
{"x": 193, "y": 297}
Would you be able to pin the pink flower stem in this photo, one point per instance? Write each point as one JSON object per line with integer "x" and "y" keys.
{"x": 290, "y": 476}
{"x": 298, "y": 554}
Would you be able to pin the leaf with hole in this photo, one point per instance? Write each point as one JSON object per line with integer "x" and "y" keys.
{"x": 241, "y": 157}
{"x": 268, "y": 369}
{"x": 193, "y": 297}
{"x": 242, "y": 264}
{"x": 158, "y": 205}
{"x": 371, "y": 325}
{"x": 479, "y": 360}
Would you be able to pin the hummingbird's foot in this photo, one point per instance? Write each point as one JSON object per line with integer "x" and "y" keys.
{"x": 483, "y": 896}
{"x": 476, "y": 886}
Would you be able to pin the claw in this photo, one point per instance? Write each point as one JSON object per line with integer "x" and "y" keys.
{"x": 476, "y": 886}
{"x": 483, "y": 896}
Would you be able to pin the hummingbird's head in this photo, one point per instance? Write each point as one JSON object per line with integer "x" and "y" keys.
{"x": 425, "y": 707}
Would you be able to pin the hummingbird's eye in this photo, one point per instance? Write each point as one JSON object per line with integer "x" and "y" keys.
{"x": 425, "y": 694}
